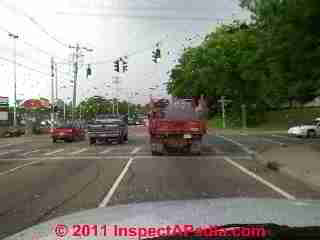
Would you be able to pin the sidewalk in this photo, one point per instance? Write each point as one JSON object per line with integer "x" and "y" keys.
{"x": 299, "y": 161}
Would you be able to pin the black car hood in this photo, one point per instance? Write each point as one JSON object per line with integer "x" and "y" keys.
{"x": 196, "y": 212}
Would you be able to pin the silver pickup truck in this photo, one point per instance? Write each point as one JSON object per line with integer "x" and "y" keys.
{"x": 108, "y": 128}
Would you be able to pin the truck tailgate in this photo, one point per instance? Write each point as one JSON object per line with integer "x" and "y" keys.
{"x": 175, "y": 126}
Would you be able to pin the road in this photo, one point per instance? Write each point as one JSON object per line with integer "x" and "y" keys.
{"x": 40, "y": 180}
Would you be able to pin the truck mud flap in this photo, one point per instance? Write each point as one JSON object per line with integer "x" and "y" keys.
{"x": 195, "y": 148}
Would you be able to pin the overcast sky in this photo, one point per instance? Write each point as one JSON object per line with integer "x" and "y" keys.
{"x": 112, "y": 28}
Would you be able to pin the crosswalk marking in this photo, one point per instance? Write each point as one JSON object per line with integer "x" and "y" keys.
{"x": 34, "y": 151}
{"x": 54, "y": 152}
{"x": 11, "y": 151}
{"x": 106, "y": 151}
{"x": 79, "y": 151}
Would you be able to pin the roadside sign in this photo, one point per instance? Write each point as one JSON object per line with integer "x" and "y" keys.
{"x": 4, "y": 101}
{"x": 4, "y": 116}
{"x": 4, "y": 108}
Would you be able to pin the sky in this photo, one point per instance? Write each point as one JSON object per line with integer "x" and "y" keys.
{"x": 112, "y": 29}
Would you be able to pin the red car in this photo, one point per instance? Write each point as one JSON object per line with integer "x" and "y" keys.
{"x": 68, "y": 132}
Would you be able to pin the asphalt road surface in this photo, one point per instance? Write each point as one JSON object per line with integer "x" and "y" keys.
{"x": 40, "y": 180}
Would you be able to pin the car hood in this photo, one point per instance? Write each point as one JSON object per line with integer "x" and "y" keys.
{"x": 196, "y": 212}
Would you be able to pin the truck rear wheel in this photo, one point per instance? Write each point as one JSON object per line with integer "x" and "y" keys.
{"x": 157, "y": 149}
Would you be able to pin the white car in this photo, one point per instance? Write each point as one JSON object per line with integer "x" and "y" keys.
{"x": 306, "y": 130}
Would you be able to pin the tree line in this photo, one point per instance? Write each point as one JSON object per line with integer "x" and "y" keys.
{"x": 265, "y": 63}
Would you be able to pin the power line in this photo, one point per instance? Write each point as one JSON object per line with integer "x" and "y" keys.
{"x": 27, "y": 67}
{"x": 150, "y": 17}
{"x": 31, "y": 45}
{"x": 34, "y": 21}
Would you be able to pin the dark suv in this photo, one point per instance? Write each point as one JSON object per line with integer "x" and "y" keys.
{"x": 108, "y": 128}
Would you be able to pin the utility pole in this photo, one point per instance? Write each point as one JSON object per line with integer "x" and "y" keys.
{"x": 75, "y": 72}
{"x": 64, "y": 111}
{"x": 116, "y": 82}
{"x": 75, "y": 66}
{"x": 56, "y": 75}
{"x": 244, "y": 116}
{"x": 14, "y": 37}
{"x": 223, "y": 102}
{"x": 52, "y": 92}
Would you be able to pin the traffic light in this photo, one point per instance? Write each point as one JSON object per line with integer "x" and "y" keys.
{"x": 89, "y": 71}
{"x": 125, "y": 66}
{"x": 158, "y": 53}
{"x": 117, "y": 66}
{"x": 154, "y": 56}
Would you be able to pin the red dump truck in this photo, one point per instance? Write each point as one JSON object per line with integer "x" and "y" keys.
{"x": 176, "y": 126}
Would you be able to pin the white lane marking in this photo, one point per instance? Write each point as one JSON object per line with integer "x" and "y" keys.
{"x": 271, "y": 141}
{"x": 11, "y": 151}
{"x": 284, "y": 137}
{"x": 106, "y": 151}
{"x": 54, "y": 152}
{"x": 79, "y": 151}
{"x": 244, "y": 148}
{"x": 95, "y": 157}
{"x": 19, "y": 167}
{"x": 6, "y": 145}
{"x": 244, "y": 134}
{"x": 112, "y": 190}
{"x": 260, "y": 179}
{"x": 135, "y": 150}
{"x": 27, "y": 153}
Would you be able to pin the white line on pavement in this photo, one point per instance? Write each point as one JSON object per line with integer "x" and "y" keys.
{"x": 11, "y": 151}
{"x": 284, "y": 137}
{"x": 79, "y": 151}
{"x": 20, "y": 167}
{"x": 112, "y": 190}
{"x": 34, "y": 151}
{"x": 271, "y": 141}
{"x": 135, "y": 150}
{"x": 106, "y": 151}
{"x": 6, "y": 145}
{"x": 244, "y": 148}
{"x": 54, "y": 152}
{"x": 260, "y": 179}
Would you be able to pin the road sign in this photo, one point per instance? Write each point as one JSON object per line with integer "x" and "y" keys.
{"x": 4, "y": 101}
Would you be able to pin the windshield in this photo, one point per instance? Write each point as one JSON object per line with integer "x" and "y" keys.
{"x": 170, "y": 101}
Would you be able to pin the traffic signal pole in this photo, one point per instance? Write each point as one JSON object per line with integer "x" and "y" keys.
{"x": 74, "y": 98}
{"x": 76, "y": 68}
